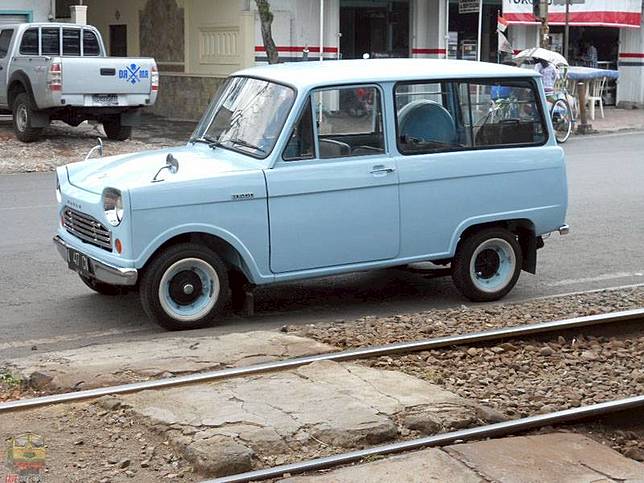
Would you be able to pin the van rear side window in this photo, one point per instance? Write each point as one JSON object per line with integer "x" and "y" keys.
{"x": 29, "y": 43}
{"x": 5, "y": 40}
{"x": 460, "y": 114}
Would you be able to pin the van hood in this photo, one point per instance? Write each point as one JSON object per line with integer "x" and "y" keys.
{"x": 134, "y": 170}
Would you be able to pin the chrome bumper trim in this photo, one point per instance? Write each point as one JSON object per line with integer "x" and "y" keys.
{"x": 102, "y": 271}
{"x": 564, "y": 230}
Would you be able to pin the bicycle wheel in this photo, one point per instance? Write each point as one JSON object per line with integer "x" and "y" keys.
{"x": 561, "y": 120}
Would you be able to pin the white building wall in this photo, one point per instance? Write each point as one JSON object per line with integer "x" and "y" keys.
{"x": 524, "y": 36}
{"x": 37, "y": 10}
{"x": 429, "y": 28}
{"x": 630, "y": 87}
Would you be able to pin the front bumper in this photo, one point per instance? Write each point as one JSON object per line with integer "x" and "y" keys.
{"x": 101, "y": 271}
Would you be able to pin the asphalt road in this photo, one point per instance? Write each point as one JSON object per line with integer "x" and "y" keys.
{"x": 43, "y": 306}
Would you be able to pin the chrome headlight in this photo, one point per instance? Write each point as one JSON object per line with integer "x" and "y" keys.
{"x": 113, "y": 206}
{"x": 59, "y": 196}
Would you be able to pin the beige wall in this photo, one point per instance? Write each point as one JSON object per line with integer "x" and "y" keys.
{"x": 102, "y": 14}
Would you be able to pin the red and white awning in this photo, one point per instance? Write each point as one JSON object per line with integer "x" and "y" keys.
{"x": 592, "y": 13}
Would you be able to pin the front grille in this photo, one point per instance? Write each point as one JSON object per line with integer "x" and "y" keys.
{"x": 87, "y": 228}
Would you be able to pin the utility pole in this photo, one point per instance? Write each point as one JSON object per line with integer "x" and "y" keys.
{"x": 545, "y": 29}
{"x": 567, "y": 30}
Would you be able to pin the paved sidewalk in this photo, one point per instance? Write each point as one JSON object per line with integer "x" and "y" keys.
{"x": 617, "y": 120}
{"x": 564, "y": 457}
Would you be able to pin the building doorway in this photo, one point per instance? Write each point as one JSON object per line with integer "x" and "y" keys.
{"x": 379, "y": 28}
{"x": 118, "y": 40}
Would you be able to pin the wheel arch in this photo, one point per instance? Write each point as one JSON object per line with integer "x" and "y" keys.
{"x": 236, "y": 257}
{"x": 18, "y": 83}
{"x": 523, "y": 228}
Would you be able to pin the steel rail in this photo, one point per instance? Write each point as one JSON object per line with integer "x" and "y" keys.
{"x": 496, "y": 429}
{"x": 352, "y": 354}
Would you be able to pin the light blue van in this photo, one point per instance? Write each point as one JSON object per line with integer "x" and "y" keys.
{"x": 311, "y": 169}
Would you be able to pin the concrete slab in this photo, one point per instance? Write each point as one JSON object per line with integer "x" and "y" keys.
{"x": 417, "y": 467}
{"x": 227, "y": 426}
{"x": 547, "y": 457}
{"x": 561, "y": 457}
{"x": 117, "y": 363}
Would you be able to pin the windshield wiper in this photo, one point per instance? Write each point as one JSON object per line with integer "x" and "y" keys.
{"x": 246, "y": 144}
{"x": 207, "y": 140}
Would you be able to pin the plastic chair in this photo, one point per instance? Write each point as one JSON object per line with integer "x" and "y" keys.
{"x": 596, "y": 91}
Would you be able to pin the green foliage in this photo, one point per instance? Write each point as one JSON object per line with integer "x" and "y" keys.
{"x": 10, "y": 380}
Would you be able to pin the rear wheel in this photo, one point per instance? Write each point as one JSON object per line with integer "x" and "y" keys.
{"x": 115, "y": 130}
{"x": 487, "y": 264}
{"x": 23, "y": 110}
{"x": 561, "y": 120}
{"x": 184, "y": 287}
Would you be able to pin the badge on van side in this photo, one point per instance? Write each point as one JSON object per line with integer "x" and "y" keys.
{"x": 243, "y": 196}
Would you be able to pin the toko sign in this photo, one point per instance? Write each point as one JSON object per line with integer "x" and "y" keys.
{"x": 598, "y": 13}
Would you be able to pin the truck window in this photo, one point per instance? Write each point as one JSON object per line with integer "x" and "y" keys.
{"x": 71, "y": 42}
{"x": 50, "y": 41}
{"x": 90, "y": 43}
{"x": 5, "y": 40}
{"x": 29, "y": 43}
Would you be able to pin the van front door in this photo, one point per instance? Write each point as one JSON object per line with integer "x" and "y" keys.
{"x": 333, "y": 199}
{"x": 5, "y": 40}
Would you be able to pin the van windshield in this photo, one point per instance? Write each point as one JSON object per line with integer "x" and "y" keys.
{"x": 247, "y": 116}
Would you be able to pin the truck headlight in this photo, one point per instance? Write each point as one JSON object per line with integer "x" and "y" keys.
{"x": 59, "y": 196}
{"x": 113, "y": 206}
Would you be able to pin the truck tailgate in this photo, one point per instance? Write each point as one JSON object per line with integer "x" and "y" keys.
{"x": 106, "y": 75}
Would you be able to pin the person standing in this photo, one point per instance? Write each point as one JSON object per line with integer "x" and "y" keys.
{"x": 549, "y": 74}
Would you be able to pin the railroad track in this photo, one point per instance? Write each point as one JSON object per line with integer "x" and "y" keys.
{"x": 553, "y": 327}
{"x": 498, "y": 429}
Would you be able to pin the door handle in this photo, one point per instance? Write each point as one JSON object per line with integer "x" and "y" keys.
{"x": 381, "y": 169}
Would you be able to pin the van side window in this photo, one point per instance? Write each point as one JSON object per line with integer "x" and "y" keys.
{"x": 50, "y": 40}
{"x": 300, "y": 144}
{"x": 5, "y": 40}
{"x": 428, "y": 118}
{"x": 457, "y": 115}
{"x": 29, "y": 43}
{"x": 349, "y": 121}
{"x": 90, "y": 43}
{"x": 503, "y": 113}
{"x": 71, "y": 42}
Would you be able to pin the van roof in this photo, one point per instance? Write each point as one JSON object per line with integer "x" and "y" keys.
{"x": 27, "y": 25}
{"x": 315, "y": 73}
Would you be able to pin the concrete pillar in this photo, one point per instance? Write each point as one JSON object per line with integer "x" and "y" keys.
{"x": 79, "y": 14}
{"x": 429, "y": 28}
{"x": 630, "y": 87}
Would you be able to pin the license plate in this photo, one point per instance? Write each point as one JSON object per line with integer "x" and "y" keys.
{"x": 106, "y": 99}
{"x": 78, "y": 262}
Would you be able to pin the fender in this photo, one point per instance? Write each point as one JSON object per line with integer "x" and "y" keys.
{"x": 247, "y": 259}
{"x": 21, "y": 78}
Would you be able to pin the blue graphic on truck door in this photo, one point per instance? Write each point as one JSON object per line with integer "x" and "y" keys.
{"x": 133, "y": 73}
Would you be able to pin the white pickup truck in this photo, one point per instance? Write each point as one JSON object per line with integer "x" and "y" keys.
{"x": 53, "y": 71}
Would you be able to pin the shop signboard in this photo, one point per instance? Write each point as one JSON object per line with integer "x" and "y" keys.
{"x": 468, "y": 6}
{"x": 590, "y": 13}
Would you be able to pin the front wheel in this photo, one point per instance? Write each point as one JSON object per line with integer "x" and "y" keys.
{"x": 561, "y": 120}
{"x": 487, "y": 264}
{"x": 102, "y": 287}
{"x": 184, "y": 287}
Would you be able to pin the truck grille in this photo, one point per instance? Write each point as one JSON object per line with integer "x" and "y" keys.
{"x": 87, "y": 228}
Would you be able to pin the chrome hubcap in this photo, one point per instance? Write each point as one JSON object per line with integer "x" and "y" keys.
{"x": 22, "y": 117}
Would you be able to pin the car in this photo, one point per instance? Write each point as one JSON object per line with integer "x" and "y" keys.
{"x": 60, "y": 71}
{"x": 311, "y": 169}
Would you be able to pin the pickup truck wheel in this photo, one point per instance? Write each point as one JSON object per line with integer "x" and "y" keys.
{"x": 184, "y": 287}
{"x": 102, "y": 287}
{"x": 487, "y": 264}
{"x": 116, "y": 131}
{"x": 22, "y": 119}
